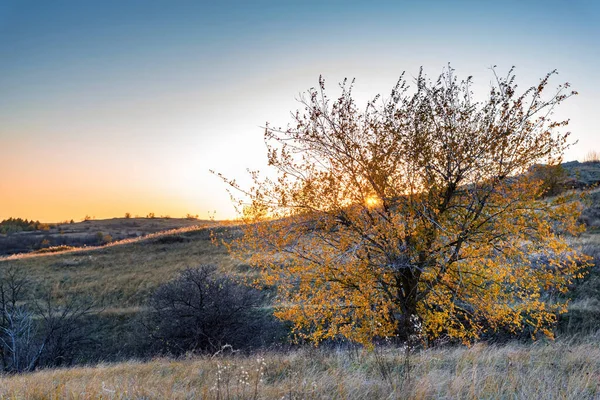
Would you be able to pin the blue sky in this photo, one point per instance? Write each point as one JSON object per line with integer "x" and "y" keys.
{"x": 110, "y": 107}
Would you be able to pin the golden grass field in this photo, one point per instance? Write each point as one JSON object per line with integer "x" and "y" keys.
{"x": 560, "y": 370}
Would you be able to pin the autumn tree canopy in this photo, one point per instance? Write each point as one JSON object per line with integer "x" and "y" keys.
{"x": 415, "y": 215}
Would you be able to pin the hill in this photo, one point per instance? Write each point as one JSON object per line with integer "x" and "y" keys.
{"x": 87, "y": 233}
{"x": 122, "y": 274}
{"x": 582, "y": 174}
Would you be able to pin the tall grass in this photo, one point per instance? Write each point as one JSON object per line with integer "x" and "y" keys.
{"x": 561, "y": 370}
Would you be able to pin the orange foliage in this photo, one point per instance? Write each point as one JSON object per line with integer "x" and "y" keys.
{"x": 416, "y": 217}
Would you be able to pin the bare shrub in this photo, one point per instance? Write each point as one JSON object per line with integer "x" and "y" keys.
{"x": 36, "y": 333}
{"x": 201, "y": 312}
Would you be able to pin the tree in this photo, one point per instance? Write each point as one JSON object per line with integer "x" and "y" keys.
{"x": 417, "y": 216}
{"x": 16, "y": 329}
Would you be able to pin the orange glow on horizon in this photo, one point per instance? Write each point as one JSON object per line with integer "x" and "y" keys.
{"x": 55, "y": 200}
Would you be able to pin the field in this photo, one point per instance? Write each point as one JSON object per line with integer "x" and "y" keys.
{"x": 409, "y": 194}
{"x": 561, "y": 370}
{"x": 117, "y": 280}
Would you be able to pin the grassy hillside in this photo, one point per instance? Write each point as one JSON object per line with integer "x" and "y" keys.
{"x": 582, "y": 174}
{"x": 88, "y": 233}
{"x": 118, "y": 279}
{"x": 122, "y": 274}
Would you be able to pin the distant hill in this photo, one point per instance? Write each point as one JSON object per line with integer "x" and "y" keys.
{"x": 582, "y": 175}
{"x": 586, "y": 176}
{"x": 22, "y": 236}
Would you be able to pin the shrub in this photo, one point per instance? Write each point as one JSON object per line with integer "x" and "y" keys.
{"x": 554, "y": 178}
{"x": 54, "y": 249}
{"x": 199, "y": 312}
{"x": 103, "y": 238}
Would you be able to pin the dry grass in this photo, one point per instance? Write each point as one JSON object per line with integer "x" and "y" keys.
{"x": 122, "y": 274}
{"x": 559, "y": 370}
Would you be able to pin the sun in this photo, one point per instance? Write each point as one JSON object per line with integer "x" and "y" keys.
{"x": 372, "y": 201}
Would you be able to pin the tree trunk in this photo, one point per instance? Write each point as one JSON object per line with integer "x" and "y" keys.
{"x": 406, "y": 302}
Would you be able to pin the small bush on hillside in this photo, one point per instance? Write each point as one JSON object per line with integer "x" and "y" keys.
{"x": 54, "y": 249}
{"x": 201, "y": 312}
{"x": 103, "y": 238}
{"x": 171, "y": 239}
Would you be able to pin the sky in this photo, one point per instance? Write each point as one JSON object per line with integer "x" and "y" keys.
{"x": 108, "y": 107}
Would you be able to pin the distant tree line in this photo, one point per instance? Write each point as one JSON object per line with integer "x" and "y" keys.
{"x": 12, "y": 225}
